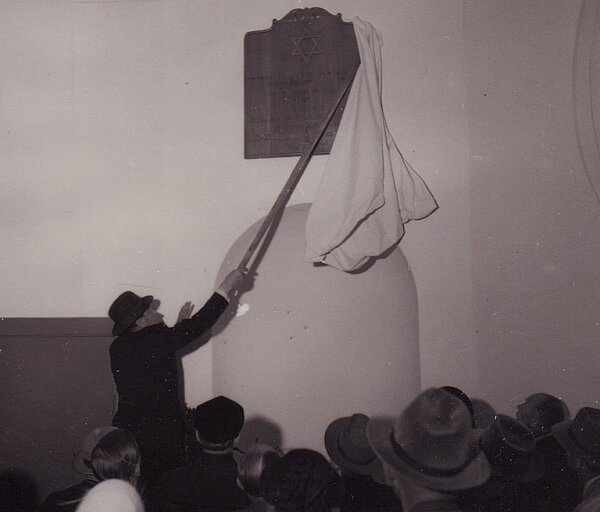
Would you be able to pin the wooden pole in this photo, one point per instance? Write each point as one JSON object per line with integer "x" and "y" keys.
{"x": 295, "y": 176}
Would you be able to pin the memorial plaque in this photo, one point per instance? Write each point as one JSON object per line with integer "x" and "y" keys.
{"x": 294, "y": 73}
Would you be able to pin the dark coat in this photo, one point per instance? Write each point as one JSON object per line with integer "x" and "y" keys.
{"x": 67, "y": 500}
{"x": 145, "y": 371}
{"x": 209, "y": 483}
{"x": 145, "y": 368}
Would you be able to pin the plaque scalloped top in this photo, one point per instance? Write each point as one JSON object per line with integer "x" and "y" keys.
{"x": 293, "y": 74}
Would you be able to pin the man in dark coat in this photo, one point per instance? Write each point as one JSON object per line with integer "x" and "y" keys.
{"x": 145, "y": 371}
{"x": 210, "y": 482}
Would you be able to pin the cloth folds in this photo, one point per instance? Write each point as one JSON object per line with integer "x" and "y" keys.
{"x": 368, "y": 190}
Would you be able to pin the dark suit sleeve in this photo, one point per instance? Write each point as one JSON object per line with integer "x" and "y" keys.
{"x": 191, "y": 329}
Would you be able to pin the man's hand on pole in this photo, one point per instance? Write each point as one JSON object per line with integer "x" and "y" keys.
{"x": 232, "y": 282}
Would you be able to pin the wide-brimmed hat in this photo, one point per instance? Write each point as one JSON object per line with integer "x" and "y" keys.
{"x": 347, "y": 444}
{"x": 510, "y": 448}
{"x": 432, "y": 443}
{"x": 82, "y": 458}
{"x": 219, "y": 420}
{"x": 581, "y": 435}
{"x": 301, "y": 481}
{"x": 126, "y": 309}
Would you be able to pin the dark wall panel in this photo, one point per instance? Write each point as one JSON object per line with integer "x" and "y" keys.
{"x": 55, "y": 386}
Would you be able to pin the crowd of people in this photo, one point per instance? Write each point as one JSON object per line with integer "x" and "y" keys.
{"x": 440, "y": 454}
{"x": 436, "y": 455}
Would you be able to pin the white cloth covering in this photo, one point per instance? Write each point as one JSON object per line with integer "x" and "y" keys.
{"x": 111, "y": 496}
{"x": 368, "y": 190}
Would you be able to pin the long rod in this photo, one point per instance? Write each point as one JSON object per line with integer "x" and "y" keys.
{"x": 295, "y": 176}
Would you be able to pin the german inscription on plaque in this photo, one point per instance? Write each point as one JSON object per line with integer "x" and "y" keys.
{"x": 293, "y": 74}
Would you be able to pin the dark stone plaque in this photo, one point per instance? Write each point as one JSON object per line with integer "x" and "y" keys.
{"x": 293, "y": 74}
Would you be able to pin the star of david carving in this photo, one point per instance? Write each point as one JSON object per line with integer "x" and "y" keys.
{"x": 306, "y": 45}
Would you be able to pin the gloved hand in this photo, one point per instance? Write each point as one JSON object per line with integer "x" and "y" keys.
{"x": 232, "y": 281}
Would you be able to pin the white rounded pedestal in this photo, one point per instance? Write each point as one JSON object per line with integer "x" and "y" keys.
{"x": 311, "y": 343}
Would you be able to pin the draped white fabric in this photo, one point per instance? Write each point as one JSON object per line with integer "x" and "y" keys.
{"x": 368, "y": 190}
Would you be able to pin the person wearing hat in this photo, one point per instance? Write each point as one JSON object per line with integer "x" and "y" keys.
{"x": 540, "y": 412}
{"x": 430, "y": 451}
{"x": 360, "y": 470}
{"x": 210, "y": 482}
{"x": 301, "y": 481}
{"x": 66, "y": 500}
{"x": 581, "y": 438}
{"x": 516, "y": 470}
{"x": 145, "y": 371}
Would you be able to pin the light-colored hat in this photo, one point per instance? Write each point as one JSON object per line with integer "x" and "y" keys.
{"x": 432, "y": 443}
{"x": 111, "y": 495}
{"x": 81, "y": 459}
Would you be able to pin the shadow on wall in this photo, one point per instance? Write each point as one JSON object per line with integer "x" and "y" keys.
{"x": 259, "y": 429}
{"x": 18, "y": 491}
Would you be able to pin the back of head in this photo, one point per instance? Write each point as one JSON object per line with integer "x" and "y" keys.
{"x": 116, "y": 456}
{"x": 301, "y": 481}
{"x": 113, "y": 496}
{"x": 511, "y": 450}
{"x": 253, "y": 463}
{"x": 219, "y": 420}
{"x": 540, "y": 412}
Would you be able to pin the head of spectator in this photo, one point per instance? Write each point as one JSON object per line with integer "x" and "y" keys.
{"x": 116, "y": 456}
{"x": 348, "y": 447}
{"x": 218, "y": 423}
{"x": 252, "y": 465}
{"x": 429, "y": 450}
{"x": 581, "y": 438}
{"x": 539, "y": 412}
{"x": 112, "y": 495}
{"x": 510, "y": 448}
{"x": 129, "y": 311}
{"x": 82, "y": 460}
{"x": 301, "y": 481}
{"x": 463, "y": 397}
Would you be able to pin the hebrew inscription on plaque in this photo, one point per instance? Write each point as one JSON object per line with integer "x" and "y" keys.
{"x": 293, "y": 74}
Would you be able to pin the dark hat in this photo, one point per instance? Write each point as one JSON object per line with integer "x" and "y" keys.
{"x": 459, "y": 393}
{"x": 302, "y": 480}
{"x": 82, "y": 459}
{"x": 219, "y": 420}
{"x": 581, "y": 435}
{"x": 347, "y": 444}
{"x": 432, "y": 443}
{"x": 126, "y": 309}
{"x": 510, "y": 448}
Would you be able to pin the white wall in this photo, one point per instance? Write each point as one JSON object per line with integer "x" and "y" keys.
{"x": 121, "y": 168}
{"x": 122, "y": 156}
{"x": 535, "y": 219}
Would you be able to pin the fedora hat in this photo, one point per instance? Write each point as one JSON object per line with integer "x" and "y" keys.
{"x": 510, "y": 448}
{"x": 83, "y": 457}
{"x": 347, "y": 444}
{"x": 432, "y": 443}
{"x": 581, "y": 435}
{"x": 126, "y": 309}
{"x": 219, "y": 420}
